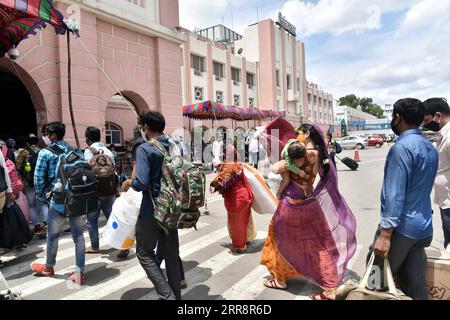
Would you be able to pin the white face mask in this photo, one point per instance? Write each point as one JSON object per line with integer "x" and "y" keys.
{"x": 144, "y": 135}
{"x": 46, "y": 140}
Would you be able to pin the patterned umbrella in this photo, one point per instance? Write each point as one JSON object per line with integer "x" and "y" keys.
{"x": 20, "y": 18}
{"x": 208, "y": 110}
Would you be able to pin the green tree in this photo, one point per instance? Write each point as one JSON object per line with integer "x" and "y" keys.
{"x": 350, "y": 100}
{"x": 365, "y": 104}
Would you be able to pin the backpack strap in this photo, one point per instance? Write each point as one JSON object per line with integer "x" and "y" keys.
{"x": 93, "y": 150}
{"x": 56, "y": 150}
{"x": 160, "y": 147}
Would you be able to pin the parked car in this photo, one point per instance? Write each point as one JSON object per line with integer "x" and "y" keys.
{"x": 351, "y": 142}
{"x": 375, "y": 141}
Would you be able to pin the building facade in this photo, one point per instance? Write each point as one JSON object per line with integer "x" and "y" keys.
{"x": 135, "y": 42}
{"x": 320, "y": 107}
{"x": 353, "y": 119}
{"x": 133, "y": 56}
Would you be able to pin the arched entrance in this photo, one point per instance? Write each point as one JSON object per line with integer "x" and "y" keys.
{"x": 16, "y": 100}
{"x": 121, "y": 114}
{"x": 21, "y": 100}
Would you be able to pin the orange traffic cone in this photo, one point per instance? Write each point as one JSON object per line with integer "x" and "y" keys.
{"x": 356, "y": 157}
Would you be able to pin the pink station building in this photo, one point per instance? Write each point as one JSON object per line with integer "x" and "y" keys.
{"x": 136, "y": 49}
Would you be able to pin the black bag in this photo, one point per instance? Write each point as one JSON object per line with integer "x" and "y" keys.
{"x": 14, "y": 229}
{"x": 28, "y": 177}
{"x": 352, "y": 164}
{"x": 338, "y": 147}
{"x": 79, "y": 186}
{"x": 3, "y": 185}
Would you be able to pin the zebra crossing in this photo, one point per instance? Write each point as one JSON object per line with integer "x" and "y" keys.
{"x": 211, "y": 271}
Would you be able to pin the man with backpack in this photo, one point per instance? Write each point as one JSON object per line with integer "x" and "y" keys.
{"x": 26, "y": 165}
{"x": 149, "y": 162}
{"x": 102, "y": 161}
{"x": 66, "y": 181}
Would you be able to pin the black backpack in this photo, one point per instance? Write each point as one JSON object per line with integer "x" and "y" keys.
{"x": 79, "y": 186}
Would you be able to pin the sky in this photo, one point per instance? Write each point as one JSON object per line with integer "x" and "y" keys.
{"x": 383, "y": 49}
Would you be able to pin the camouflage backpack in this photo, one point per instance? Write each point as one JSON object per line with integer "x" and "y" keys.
{"x": 182, "y": 192}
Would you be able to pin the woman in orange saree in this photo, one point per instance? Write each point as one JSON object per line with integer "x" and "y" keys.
{"x": 233, "y": 186}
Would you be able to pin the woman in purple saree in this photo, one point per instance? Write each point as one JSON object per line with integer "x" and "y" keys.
{"x": 312, "y": 233}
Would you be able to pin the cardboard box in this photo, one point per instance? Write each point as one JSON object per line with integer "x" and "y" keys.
{"x": 437, "y": 275}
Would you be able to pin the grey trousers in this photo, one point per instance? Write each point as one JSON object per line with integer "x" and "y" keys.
{"x": 148, "y": 235}
{"x": 408, "y": 263}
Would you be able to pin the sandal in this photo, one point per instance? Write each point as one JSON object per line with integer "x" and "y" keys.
{"x": 238, "y": 251}
{"x": 89, "y": 250}
{"x": 321, "y": 296}
{"x": 272, "y": 284}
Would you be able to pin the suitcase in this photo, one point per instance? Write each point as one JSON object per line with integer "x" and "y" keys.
{"x": 352, "y": 164}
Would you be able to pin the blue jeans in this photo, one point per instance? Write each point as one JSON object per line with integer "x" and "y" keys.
{"x": 55, "y": 224}
{"x": 38, "y": 210}
{"x": 160, "y": 258}
{"x": 445, "y": 214}
{"x": 105, "y": 204}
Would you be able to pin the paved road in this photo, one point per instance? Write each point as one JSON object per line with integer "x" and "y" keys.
{"x": 212, "y": 273}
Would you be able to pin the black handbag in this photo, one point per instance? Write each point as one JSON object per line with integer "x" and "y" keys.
{"x": 14, "y": 229}
{"x": 3, "y": 185}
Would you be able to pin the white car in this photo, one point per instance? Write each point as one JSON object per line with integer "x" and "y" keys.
{"x": 351, "y": 142}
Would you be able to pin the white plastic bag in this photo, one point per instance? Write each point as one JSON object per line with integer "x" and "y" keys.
{"x": 120, "y": 232}
{"x": 265, "y": 201}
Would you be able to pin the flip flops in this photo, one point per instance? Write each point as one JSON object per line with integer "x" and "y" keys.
{"x": 272, "y": 284}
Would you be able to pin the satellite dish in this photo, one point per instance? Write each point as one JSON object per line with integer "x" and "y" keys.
{"x": 240, "y": 51}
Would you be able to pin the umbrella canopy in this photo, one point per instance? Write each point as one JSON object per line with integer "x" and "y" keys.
{"x": 20, "y": 18}
{"x": 211, "y": 110}
{"x": 207, "y": 110}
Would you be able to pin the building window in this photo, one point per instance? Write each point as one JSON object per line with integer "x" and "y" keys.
{"x": 320, "y": 102}
{"x": 236, "y": 99}
{"x": 218, "y": 71}
{"x": 113, "y": 134}
{"x": 250, "y": 80}
{"x": 315, "y": 100}
{"x": 236, "y": 76}
{"x": 198, "y": 93}
{"x": 219, "y": 96}
{"x": 298, "y": 84}
{"x": 140, "y": 3}
{"x": 278, "y": 78}
{"x": 288, "y": 80}
{"x": 198, "y": 64}
{"x": 309, "y": 98}
{"x": 251, "y": 102}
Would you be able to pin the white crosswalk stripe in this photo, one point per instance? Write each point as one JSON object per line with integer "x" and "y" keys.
{"x": 136, "y": 273}
{"x": 62, "y": 255}
{"x": 248, "y": 288}
{"x": 214, "y": 265}
{"x": 41, "y": 247}
{"x": 40, "y": 284}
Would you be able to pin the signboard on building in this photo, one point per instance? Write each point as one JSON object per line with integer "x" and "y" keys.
{"x": 289, "y": 27}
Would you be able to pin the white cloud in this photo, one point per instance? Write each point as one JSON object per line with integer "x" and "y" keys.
{"x": 410, "y": 60}
{"x": 339, "y": 16}
{"x": 427, "y": 12}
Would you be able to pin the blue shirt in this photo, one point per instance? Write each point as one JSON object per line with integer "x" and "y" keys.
{"x": 409, "y": 175}
{"x": 45, "y": 173}
{"x": 148, "y": 174}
